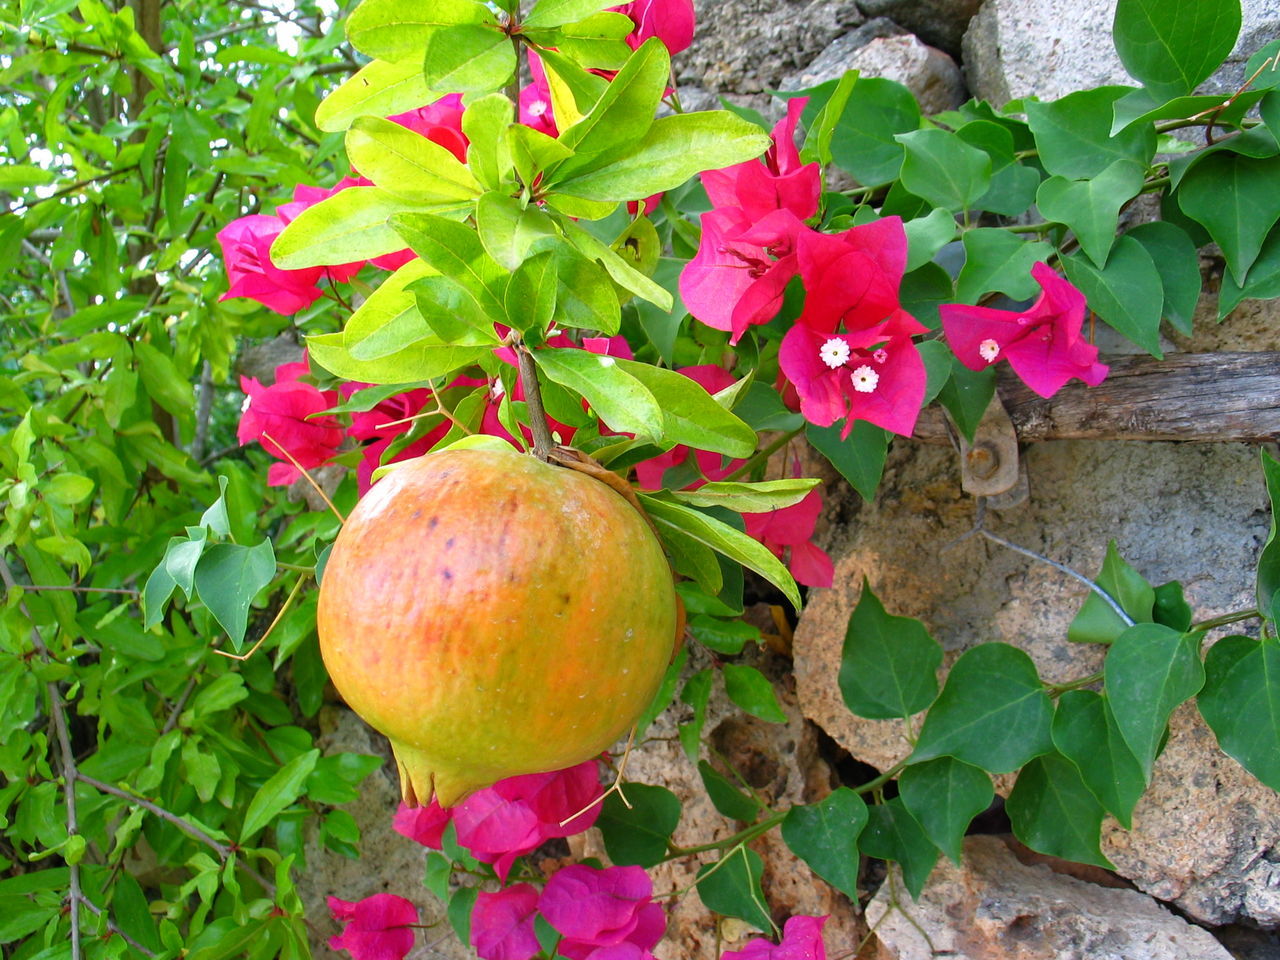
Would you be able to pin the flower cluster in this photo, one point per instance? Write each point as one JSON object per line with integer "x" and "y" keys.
{"x": 801, "y": 940}
{"x": 600, "y": 914}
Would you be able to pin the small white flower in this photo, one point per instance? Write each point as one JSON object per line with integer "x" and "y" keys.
{"x": 880, "y": 356}
{"x": 537, "y": 108}
{"x": 244, "y": 407}
{"x": 988, "y": 349}
{"x": 865, "y": 379}
{"x": 497, "y": 390}
{"x": 834, "y": 353}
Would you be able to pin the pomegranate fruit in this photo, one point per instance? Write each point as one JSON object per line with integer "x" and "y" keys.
{"x": 494, "y": 615}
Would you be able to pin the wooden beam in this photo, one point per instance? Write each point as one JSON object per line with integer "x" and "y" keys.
{"x": 1198, "y": 397}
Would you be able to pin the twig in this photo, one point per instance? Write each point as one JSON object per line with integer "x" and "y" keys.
{"x": 204, "y": 409}
{"x": 97, "y": 911}
{"x": 73, "y": 589}
{"x": 616, "y": 787}
{"x": 311, "y": 480}
{"x": 69, "y": 770}
{"x": 278, "y": 617}
{"x": 223, "y": 851}
{"x": 180, "y": 704}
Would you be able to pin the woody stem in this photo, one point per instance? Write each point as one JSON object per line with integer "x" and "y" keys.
{"x": 542, "y": 441}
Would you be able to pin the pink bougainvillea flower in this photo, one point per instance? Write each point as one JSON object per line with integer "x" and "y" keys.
{"x": 283, "y": 416}
{"x": 440, "y": 122}
{"x": 425, "y": 825}
{"x": 513, "y": 817}
{"x": 535, "y": 100}
{"x": 1042, "y": 343}
{"x": 869, "y": 375}
{"x": 377, "y": 927}
{"x": 854, "y": 277}
{"x": 502, "y": 924}
{"x": 595, "y": 907}
{"x": 671, "y": 21}
{"x": 801, "y": 940}
{"x": 741, "y": 269}
{"x": 246, "y": 250}
{"x": 777, "y": 181}
{"x": 791, "y": 528}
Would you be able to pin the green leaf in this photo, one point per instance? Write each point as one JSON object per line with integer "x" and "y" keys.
{"x": 1143, "y": 107}
{"x": 1241, "y": 703}
{"x": 455, "y": 250}
{"x": 348, "y": 226}
{"x": 1053, "y": 812}
{"x": 1097, "y": 622}
{"x": 228, "y": 577}
{"x": 748, "y": 497}
{"x": 283, "y": 788}
{"x": 215, "y": 515}
{"x": 131, "y": 911}
{"x": 818, "y": 134}
{"x": 155, "y": 595}
{"x": 512, "y": 231}
{"x": 530, "y": 298}
{"x": 1269, "y": 559}
{"x": 993, "y": 712}
{"x": 1263, "y": 281}
{"x": 67, "y": 489}
{"x": 621, "y": 272}
{"x": 943, "y": 169}
{"x": 892, "y": 833}
{"x": 1170, "y": 48}
{"x": 944, "y": 795}
{"x": 378, "y": 89}
{"x": 1013, "y": 186}
{"x": 397, "y": 29}
{"x": 997, "y": 260}
{"x": 1171, "y": 607}
{"x": 692, "y": 558}
{"x": 672, "y": 151}
{"x": 859, "y": 458}
{"x": 618, "y": 398}
{"x": 164, "y": 384}
{"x": 748, "y": 688}
{"x": 1074, "y": 138}
{"x": 696, "y": 693}
{"x": 620, "y": 116}
{"x": 731, "y": 887}
{"x": 825, "y": 836}
{"x": 639, "y": 835}
{"x": 927, "y": 235}
{"x": 585, "y": 296}
{"x": 888, "y": 667}
{"x": 863, "y": 141}
{"x": 407, "y": 164}
{"x": 724, "y": 539}
{"x": 1178, "y": 264}
{"x": 690, "y": 415}
{"x": 723, "y": 636}
{"x": 966, "y": 396}
{"x": 1127, "y": 293}
{"x": 595, "y": 42}
{"x": 1233, "y": 196}
{"x": 553, "y": 13}
{"x": 1085, "y": 732}
{"x": 1091, "y": 208}
{"x": 459, "y": 911}
{"x": 725, "y": 795}
{"x": 469, "y": 58}
{"x": 1150, "y": 669}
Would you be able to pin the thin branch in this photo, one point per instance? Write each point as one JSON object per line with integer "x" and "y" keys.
{"x": 278, "y": 617}
{"x": 542, "y": 439}
{"x": 97, "y": 911}
{"x": 71, "y": 589}
{"x": 180, "y": 704}
{"x": 311, "y": 480}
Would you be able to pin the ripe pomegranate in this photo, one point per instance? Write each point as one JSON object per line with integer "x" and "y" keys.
{"x": 494, "y": 615}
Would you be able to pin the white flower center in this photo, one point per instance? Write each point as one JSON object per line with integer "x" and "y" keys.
{"x": 537, "y": 108}
{"x": 865, "y": 379}
{"x": 497, "y": 390}
{"x": 988, "y": 350}
{"x": 834, "y": 352}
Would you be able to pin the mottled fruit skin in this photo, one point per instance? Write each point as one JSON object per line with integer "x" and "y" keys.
{"x": 493, "y": 615}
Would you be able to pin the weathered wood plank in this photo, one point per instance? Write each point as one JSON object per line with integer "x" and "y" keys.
{"x": 1199, "y": 397}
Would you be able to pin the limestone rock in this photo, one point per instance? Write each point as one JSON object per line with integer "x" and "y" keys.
{"x": 927, "y": 72}
{"x": 993, "y": 907}
{"x": 1049, "y": 48}
{"x": 1195, "y": 513}
{"x": 748, "y": 46}
{"x": 940, "y": 23}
